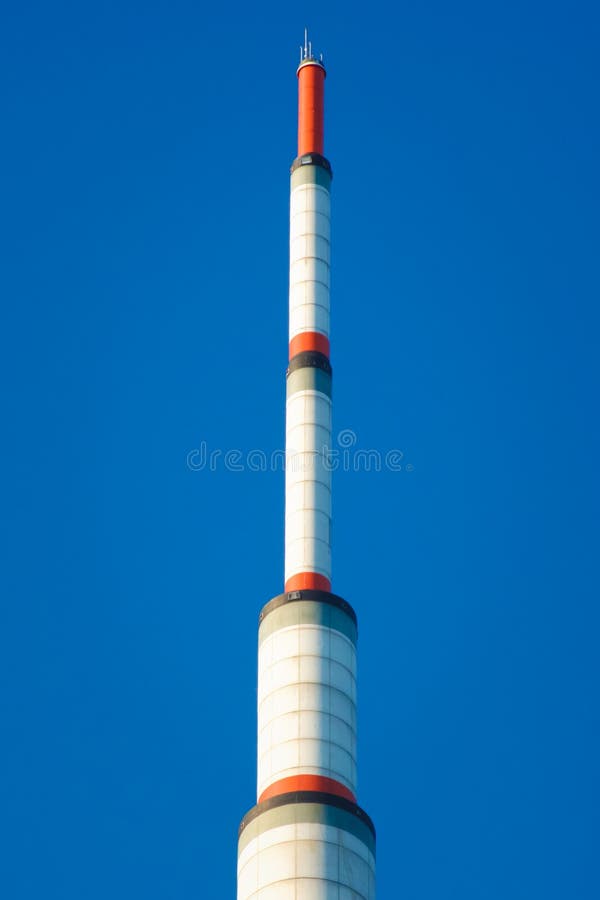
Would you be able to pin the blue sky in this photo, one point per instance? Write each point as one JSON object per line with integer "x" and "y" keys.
{"x": 144, "y": 284}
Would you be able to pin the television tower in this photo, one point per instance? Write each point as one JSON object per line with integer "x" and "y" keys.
{"x": 306, "y": 838}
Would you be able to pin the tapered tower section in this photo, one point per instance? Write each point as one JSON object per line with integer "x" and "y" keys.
{"x": 306, "y": 838}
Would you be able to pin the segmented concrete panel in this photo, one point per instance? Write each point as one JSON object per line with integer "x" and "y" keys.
{"x": 306, "y": 861}
{"x": 308, "y": 483}
{"x": 306, "y": 705}
{"x": 309, "y": 258}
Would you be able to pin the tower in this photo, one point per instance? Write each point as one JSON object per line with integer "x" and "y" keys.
{"x": 306, "y": 838}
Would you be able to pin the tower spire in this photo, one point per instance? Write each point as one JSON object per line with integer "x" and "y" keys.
{"x": 306, "y": 838}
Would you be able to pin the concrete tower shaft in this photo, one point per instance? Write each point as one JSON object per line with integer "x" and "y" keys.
{"x": 306, "y": 838}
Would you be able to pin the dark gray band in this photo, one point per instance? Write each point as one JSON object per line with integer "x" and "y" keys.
{"x": 308, "y": 380}
{"x": 310, "y": 175}
{"x": 307, "y": 806}
{"x": 312, "y": 159}
{"x": 312, "y": 359}
{"x": 317, "y": 596}
{"x": 307, "y": 612}
{"x": 308, "y": 608}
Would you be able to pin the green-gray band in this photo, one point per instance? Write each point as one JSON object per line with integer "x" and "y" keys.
{"x": 308, "y": 612}
{"x": 309, "y": 378}
{"x": 348, "y": 817}
{"x": 310, "y": 175}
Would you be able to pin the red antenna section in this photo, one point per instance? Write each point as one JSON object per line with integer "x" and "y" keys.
{"x": 311, "y": 89}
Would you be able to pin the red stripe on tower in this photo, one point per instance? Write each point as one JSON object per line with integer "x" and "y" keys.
{"x": 309, "y": 340}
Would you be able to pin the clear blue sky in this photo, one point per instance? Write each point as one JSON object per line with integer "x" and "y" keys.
{"x": 145, "y": 159}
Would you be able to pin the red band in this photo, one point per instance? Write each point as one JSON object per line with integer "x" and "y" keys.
{"x": 307, "y": 581}
{"x": 307, "y": 783}
{"x": 309, "y": 340}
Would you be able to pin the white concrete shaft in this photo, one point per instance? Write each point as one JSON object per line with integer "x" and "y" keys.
{"x": 306, "y": 861}
{"x": 308, "y": 484}
{"x": 309, "y": 259}
{"x": 306, "y": 705}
